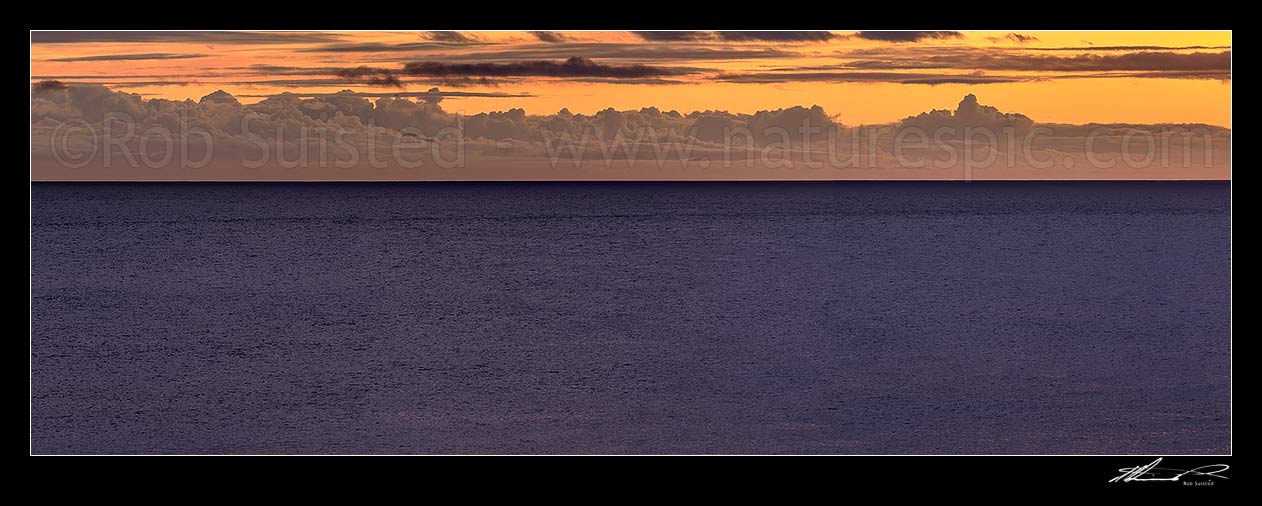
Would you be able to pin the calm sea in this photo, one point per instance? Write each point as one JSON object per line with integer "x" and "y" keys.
{"x": 854, "y": 318}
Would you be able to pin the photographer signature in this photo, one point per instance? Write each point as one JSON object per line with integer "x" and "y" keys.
{"x": 1151, "y": 472}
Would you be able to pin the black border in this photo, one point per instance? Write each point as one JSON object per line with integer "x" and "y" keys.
{"x": 844, "y": 476}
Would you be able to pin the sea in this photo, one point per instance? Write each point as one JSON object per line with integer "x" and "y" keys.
{"x": 631, "y": 318}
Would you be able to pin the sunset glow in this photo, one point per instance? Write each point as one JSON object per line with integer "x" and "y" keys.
{"x": 1132, "y": 77}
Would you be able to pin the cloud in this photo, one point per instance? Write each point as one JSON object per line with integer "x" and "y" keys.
{"x": 973, "y": 66}
{"x": 381, "y": 47}
{"x": 117, "y": 77}
{"x": 637, "y": 52}
{"x": 572, "y": 67}
{"x": 454, "y": 37}
{"x": 464, "y": 82}
{"x": 371, "y": 76}
{"x": 108, "y": 81}
{"x": 776, "y": 36}
{"x": 441, "y": 51}
{"x": 908, "y": 36}
{"x": 674, "y": 36}
{"x": 147, "y": 84}
{"x": 737, "y": 36}
{"x": 868, "y": 77}
{"x": 126, "y": 57}
{"x": 969, "y": 113}
{"x": 372, "y": 81}
{"x": 1014, "y": 37}
{"x": 1222, "y": 75}
{"x": 983, "y": 60}
{"x": 431, "y": 94}
{"x": 1123, "y": 48}
{"x": 206, "y": 37}
{"x": 627, "y": 80}
{"x": 550, "y": 37}
{"x": 309, "y": 132}
{"x": 48, "y": 85}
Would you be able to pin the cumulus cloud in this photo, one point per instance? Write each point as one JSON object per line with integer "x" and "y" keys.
{"x": 908, "y": 36}
{"x": 969, "y": 113}
{"x": 48, "y": 85}
{"x": 376, "y": 134}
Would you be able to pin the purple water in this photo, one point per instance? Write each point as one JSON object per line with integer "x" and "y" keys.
{"x": 863, "y": 318}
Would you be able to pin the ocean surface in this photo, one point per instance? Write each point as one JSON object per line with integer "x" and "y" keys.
{"x": 840, "y": 318}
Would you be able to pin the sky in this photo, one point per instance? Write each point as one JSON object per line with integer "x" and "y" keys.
{"x": 853, "y": 77}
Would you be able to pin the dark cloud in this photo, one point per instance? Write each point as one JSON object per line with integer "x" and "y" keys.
{"x": 908, "y": 36}
{"x": 371, "y": 76}
{"x": 126, "y": 57}
{"x": 48, "y": 85}
{"x": 777, "y": 36}
{"x": 551, "y": 37}
{"x": 674, "y": 36}
{"x": 58, "y": 37}
{"x": 868, "y": 77}
{"x": 1014, "y": 37}
{"x": 983, "y": 60}
{"x": 454, "y": 37}
{"x": 572, "y": 67}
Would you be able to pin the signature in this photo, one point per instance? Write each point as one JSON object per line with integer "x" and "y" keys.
{"x": 1151, "y": 472}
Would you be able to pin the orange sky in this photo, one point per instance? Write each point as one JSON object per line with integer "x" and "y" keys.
{"x": 1061, "y": 77}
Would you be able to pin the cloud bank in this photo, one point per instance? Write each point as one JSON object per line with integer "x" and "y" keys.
{"x": 83, "y": 131}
